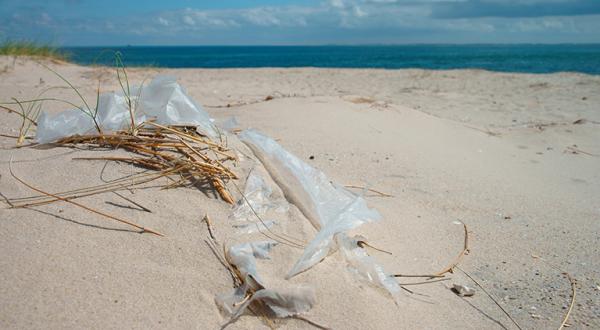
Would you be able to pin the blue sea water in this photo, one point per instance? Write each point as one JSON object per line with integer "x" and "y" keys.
{"x": 506, "y": 58}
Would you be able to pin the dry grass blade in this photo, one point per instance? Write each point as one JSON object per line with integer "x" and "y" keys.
{"x": 172, "y": 150}
{"x": 143, "y": 229}
{"x": 88, "y": 191}
{"x": 455, "y": 263}
{"x": 369, "y": 189}
{"x": 311, "y": 322}
{"x": 209, "y": 226}
{"x": 422, "y": 276}
{"x": 563, "y": 324}
{"x": 491, "y": 297}
{"x": 145, "y": 209}
{"x": 425, "y": 282}
{"x": 362, "y": 244}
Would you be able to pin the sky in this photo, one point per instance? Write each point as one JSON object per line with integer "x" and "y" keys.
{"x": 290, "y": 22}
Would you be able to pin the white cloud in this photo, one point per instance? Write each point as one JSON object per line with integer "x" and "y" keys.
{"x": 188, "y": 20}
{"x": 261, "y": 17}
{"x": 359, "y": 12}
{"x": 163, "y": 21}
{"x": 330, "y": 21}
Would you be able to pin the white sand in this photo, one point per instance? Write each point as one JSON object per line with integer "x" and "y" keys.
{"x": 489, "y": 149}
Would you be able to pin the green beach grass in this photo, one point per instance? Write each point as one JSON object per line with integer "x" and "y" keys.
{"x": 31, "y": 48}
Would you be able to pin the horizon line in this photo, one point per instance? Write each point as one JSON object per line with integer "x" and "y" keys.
{"x": 345, "y": 45}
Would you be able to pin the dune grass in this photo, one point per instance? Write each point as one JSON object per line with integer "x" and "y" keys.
{"x": 31, "y": 48}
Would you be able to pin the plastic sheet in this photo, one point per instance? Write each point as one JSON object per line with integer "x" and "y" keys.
{"x": 163, "y": 100}
{"x": 365, "y": 266}
{"x": 243, "y": 256}
{"x": 230, "y": 125}
{"x": 258, "y": 197}
{"x": 284, "y": 302}
{"x": 332, "y": 210}
{"x": 51, "y": 128}
{"x": 279, "y": 302}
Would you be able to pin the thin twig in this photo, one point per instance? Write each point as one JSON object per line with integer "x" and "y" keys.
{"x": 362, "y": 244}
{"x": 566, "y": 318}
{"x": 464, "y": 251}
{"x": 369, "y": 189}
{"x": 491, "y": 297}
{"x": 571, "y": 280}
{"x": 311, "y": 322}
{"x": 426, "y": 282}
{"x": 133, "y": 202}
{"x": 15, "y": 136}
{"x": 5, "y": 198}
{"x": 209, "y": 226}
{"x": 424, "y": 276}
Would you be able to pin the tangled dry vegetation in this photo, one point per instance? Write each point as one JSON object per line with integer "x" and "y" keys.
{"x": 178, "y": 153}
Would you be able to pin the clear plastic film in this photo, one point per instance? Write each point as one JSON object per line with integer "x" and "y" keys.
{"x": 284, "y": 302}
{"x": 163, "y": 100}
{"x": 332, "y": 209}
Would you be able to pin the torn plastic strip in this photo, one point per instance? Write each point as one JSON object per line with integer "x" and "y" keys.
{"x": 366, "y": 266}
{"x": 279, "y": 302}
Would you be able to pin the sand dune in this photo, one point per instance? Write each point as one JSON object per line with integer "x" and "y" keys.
{"x": 497, "y": 151}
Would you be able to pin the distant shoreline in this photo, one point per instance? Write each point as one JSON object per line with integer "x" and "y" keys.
{"x": 521, "y": 58}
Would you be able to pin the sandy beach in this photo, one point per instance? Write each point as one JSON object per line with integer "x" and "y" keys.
{"x": 515, "y": 157}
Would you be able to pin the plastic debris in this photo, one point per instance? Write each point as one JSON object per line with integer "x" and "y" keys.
{"x": 463, "y": 290}
{"x": 365, "y": 266}
{"x": 163, "y": 100}
{"x": 230, "y": 125}
{"x": 258, "y": 198}
{"x": 285, "y": 302}
{"x": 332, "y": 209}
{"x": 243, "y": 256}
{"x": 278, "y": 302}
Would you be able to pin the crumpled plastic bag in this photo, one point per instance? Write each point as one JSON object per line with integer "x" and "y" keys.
{"x": 330, "y": 208}
{"x": 53, "y": 127}
{"x": 244, "y": 255}
{"x": 168, "y": 102}
{"x": 258, "y": 198}
{"x": 365, "y": 266}
{"x": 278, "y": 302}
{"x": 163, "y": 99}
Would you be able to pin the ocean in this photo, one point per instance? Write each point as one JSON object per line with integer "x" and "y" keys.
{"x": 504, "y": 58}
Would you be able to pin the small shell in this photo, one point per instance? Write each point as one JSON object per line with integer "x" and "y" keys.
{"x": 463, "y": 290}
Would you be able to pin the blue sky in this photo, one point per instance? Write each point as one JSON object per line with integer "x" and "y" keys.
{"x": 289, "y": 22}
